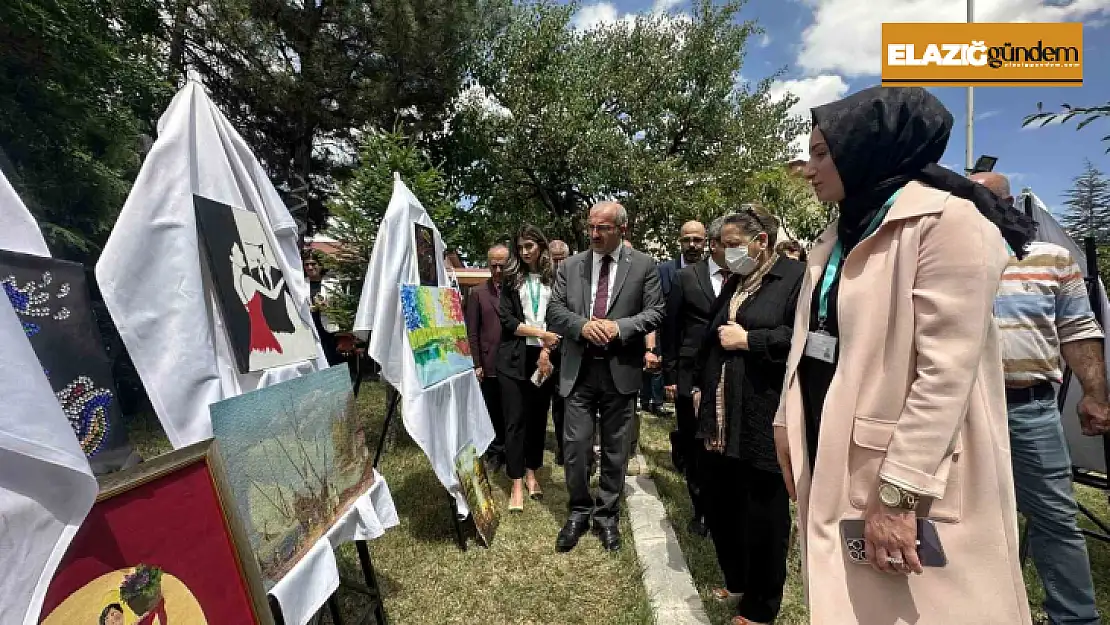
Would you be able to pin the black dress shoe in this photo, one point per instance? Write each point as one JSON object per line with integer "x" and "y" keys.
{"x": 610, "y": 537}
{"x": 697, "y": 527}
{"x": 569, "y": 535}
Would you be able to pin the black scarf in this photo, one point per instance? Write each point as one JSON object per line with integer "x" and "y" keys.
{"x": 882, "y": 138}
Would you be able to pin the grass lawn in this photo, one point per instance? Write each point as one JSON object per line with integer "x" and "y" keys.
{"x": 426, "y": 579}
{"x": 702, "y": 560}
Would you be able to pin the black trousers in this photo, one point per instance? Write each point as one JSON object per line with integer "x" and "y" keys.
{"x": 689, "y": 450}
{"x": 491, "y": 392}
{"x": 748, "y": 511}
{"x": 558, "y": 409}
{"x": 594, "y": 391}
{"x": 526, "y": 407}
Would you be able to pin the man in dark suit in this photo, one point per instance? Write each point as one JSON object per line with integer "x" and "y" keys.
{"x": 559, "y": 252}
{"x": 691, "y": 241}
{"x": 689, "y": 311}
{"x": 604, "y": 302}
{"x": 483, "y": 328}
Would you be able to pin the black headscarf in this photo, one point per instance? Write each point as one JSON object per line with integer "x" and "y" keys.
{"x": 883, "y": 137}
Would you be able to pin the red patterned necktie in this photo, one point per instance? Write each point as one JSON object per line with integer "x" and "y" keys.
{"x": 601, "y": 298}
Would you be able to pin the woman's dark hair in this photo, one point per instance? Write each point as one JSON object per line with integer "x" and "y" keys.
{"x": 516, "y": 268}
{"x": 752, "y": 219}
{"x": 791, "y": 247}
{"x": 107, "y": 609}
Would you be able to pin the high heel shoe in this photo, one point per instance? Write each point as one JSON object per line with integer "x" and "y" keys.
{"x": 516, "y": 507}
{"x": 535, "y": 492}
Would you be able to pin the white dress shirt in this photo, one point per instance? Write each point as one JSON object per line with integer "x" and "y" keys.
{"x": 715, "y": 277}
{"x": 595, "y": 271}
{"x": 539, "y": 319}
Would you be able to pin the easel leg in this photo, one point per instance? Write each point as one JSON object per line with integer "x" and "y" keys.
{"x": 371, "y": 581}
{"x": 459, "y": 537}
{"x": 392, "y": 399}
{"x": 333, "y": 607}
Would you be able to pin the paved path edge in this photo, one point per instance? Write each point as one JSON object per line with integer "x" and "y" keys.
{"x": 670, "y": 587}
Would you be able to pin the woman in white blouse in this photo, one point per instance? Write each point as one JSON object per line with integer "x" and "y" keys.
{"x": 524, "y": 360}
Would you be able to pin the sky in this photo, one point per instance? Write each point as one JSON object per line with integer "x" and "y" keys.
{"x": 826, "y": 49}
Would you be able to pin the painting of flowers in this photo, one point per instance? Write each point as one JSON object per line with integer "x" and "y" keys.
{"x": 436, "y": 331}
{"x": 297, "y": 458}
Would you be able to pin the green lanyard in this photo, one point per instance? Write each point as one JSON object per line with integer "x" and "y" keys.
{"x": 837, "y": 257}
{"x": 534, "y": 295}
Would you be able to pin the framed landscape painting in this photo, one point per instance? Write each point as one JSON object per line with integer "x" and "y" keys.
{"x": 161, "y": 546}
{"x": 471, "y": 471}
{"x": 436, "y": 331}
{"x": 51, "y": 299}
{"x": 297, "y": 458}
{"x": 253, "y": 295}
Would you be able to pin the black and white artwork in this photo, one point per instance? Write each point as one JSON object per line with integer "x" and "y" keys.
{"x": 253, "y": 296}
{"x": 51, "y": 299}
{"x": 427, "y": 263}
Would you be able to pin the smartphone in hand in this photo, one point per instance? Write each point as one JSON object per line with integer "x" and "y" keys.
{"x": 929, "y": 549}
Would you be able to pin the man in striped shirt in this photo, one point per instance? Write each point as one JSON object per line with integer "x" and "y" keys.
{"x": 1043, "y": 313}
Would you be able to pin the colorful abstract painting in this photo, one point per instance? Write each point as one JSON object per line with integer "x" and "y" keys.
{"x": 436, "y": 331}
{"x": 51, "y": 298}
{"x": 297, "y": 458}
{"x": 471, "y": 471}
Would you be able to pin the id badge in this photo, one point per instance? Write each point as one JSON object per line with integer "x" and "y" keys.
{"x": 822, "y": 346}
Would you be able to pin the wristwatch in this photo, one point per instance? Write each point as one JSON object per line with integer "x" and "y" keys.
{"x": 893, "y": 497}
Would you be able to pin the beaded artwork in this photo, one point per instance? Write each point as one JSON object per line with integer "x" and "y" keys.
{"x": 32, "y": 299}
{"x": 51, "y": 299}
{"x": 86, "y": 407}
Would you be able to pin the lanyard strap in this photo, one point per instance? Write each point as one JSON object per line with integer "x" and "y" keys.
{"x": 837, "y": 257}
{"x": 533, "y": 283}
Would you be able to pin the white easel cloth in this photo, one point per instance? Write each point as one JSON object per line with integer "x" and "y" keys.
{"x": 150, "y": 271}
{"x": 446, "y": 417}
{"x": 1086, "y": 451}
{"x": 20, "y": 231}
{"x": 305, "y": 588}
{"x": 46, "y": 485}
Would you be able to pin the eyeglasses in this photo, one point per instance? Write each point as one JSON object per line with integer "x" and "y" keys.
{"x": 602, "y": 229}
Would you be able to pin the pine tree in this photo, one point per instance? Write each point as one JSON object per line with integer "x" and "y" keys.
{"x": 1088, "y": 205}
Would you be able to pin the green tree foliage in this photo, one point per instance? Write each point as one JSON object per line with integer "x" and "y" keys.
{"x": 651, "y": 113}
{"x": 360, "y": 204}
{"x": 1087, "y": 211}
{"x": 79, "y": 86}
{"x": 790, "y": 198}
{"x": 1086, "y": 115}
{"x": 299, "y": 79}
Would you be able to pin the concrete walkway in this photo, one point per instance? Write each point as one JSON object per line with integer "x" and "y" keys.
{"x": 674, "y": 600}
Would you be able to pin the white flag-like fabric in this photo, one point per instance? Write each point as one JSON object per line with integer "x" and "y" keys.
{"x": 20, "y": 232}
{"x": 1086, "y": 451}
{"x": 46, "y": 484}
{"x": 441, "y": 419}
{"x": 151, "y": 277}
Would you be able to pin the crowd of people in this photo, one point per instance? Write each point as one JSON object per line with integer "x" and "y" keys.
{"x": 895, "y": 380}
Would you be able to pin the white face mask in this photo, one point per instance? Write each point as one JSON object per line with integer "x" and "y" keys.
{"x": 739, "y": 262}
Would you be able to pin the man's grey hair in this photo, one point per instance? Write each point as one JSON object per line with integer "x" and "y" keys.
{"x": 621, "y": 217}
{"x": 559, "y": 244}
{"x": 496, "y": 247}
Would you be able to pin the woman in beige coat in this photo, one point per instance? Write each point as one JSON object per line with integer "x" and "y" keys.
{"x": 893, "y": 407}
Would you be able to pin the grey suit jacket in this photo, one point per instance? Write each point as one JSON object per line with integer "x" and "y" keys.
{"x": 637, "y": 306}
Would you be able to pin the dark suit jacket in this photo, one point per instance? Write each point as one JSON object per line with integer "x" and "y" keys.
{"x": 512, "y": 352}
{"x": 668, "y": 274}
{"x": 483, "y": 327}
{"x": 689, "y": 311}
{"x": 636, "y": 305}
